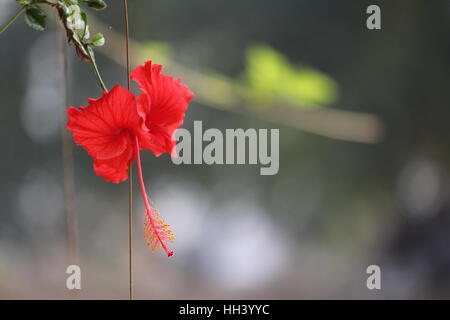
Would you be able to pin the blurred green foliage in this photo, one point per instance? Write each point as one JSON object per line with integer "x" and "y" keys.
{"x": 160, "y": 51}
{"x": 270, "y": 76}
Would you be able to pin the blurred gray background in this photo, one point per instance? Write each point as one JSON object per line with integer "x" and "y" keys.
{"x": 371, "y": 188}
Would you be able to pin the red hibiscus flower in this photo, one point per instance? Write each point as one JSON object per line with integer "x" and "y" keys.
{"x": 162, "y": 104}
{"x": 106, "y": 129}
{"x": 114, "y": 128}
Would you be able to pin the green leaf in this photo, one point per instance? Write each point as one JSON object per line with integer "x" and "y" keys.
{"x": 23, "y": 2}
{"x": 85, "y": 31}
{"x": 98, "y": 40}
{"x": 96, "y": 4}
{"x": 35, "y": 18}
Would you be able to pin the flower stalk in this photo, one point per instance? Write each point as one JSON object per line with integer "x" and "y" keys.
{"x": 13, "y": 19}
{"x": 97, "y": 72}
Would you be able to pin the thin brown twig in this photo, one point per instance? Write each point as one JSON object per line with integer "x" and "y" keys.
{"x": 130, "y": 171}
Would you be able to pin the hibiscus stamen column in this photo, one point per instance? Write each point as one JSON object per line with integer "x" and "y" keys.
{"x": 157, "y": 232}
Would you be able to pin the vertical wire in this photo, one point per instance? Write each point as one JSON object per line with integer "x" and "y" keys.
{"x": 67, "y": 156}
{"x": 130, "y": 171}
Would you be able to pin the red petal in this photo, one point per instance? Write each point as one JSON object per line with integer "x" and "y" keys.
{"x": 105, "y": 129}
{"x": 115, "y": 169}
{"x": 156, "y": 138}
{"x": 164, "y": 108}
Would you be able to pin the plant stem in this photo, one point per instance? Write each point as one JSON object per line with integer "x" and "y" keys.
{"x": 97, "y": 73}
{"x": 130, "y": 171}
{"x": 99, "y": 77}
{"x": 13, "y": 19}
